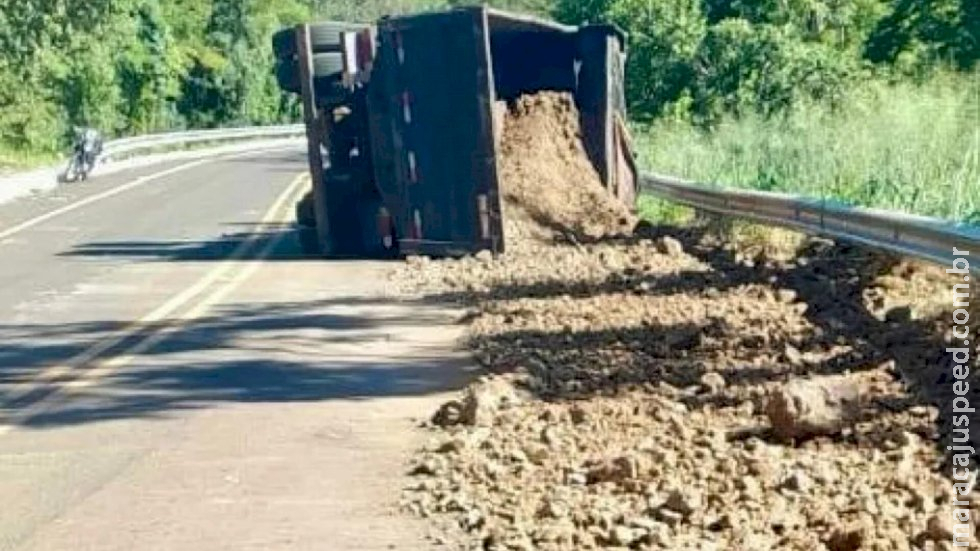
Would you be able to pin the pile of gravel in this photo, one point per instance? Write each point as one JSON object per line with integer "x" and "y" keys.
{"x": 629, "y": 375}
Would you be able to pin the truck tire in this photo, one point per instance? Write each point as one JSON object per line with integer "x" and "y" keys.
{"x": 324, "y": 37}
{"x": 284, "y": 43}
{"x": 328, "y": 65}
{"x": 327, "y": 85}
{"x": 325, "y": 66}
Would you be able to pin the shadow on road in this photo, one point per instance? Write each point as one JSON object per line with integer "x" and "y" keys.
{"x": 255, "y": 238}
{"x": 290, "y": 161}
{"x": 217, "y": 249}
{"x": 344, "y": 348}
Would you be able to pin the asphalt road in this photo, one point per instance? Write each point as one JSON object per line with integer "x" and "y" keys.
{"x": 174, "y": 374}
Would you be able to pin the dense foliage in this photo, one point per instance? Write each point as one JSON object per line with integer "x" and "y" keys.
{"x": 129, "y": 66}
{"x": 135, "y": 66}
{"x": 710, "y": 58}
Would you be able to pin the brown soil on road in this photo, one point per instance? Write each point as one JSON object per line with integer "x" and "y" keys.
{"x": 631, "y": 372}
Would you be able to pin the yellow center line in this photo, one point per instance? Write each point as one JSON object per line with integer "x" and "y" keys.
{"x": 160, "y": 323}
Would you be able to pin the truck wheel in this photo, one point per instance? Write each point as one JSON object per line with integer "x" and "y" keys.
{"x": 324, "y": 66}
{"x": 327, "y": 71}
{"x": 327, "y": 65}
{"x": 324, "y": 37}
{"x": 284, "y": 43}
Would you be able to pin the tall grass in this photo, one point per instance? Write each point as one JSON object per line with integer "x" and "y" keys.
{"x": 902, "y": 147}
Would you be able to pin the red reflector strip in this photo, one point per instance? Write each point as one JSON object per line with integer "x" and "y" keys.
{"x": 365, "y": 49}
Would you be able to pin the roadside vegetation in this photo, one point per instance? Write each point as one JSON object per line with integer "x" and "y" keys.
{"x": 908, "y": 147}
{"x": 875, "y": 102}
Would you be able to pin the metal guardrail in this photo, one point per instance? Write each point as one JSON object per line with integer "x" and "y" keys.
{"x": 117, "y": 148}
{"x": 916, "y": 236}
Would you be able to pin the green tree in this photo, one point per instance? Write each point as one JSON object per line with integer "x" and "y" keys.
{"x": 764, "y": 69}
{"x": 576, "y": 12}
{"x": 143, "y": 65}
{"x": 923, "y": 34}
{"x": 149, "y": 71}
{"x": 664, "y": 37}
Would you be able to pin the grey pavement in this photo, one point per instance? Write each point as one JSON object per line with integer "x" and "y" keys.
{"x": 265, "y": 400}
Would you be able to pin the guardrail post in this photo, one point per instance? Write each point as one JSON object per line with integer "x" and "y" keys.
{"x": 313, "y": 118}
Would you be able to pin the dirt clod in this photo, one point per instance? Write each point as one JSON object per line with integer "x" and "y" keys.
{"x": 713, "y": 382}
{"x": 939, "y": 527}
{"x": 484, "y": 399}
{"x": 670, "y": 246}
{"x": 814, "y": 407}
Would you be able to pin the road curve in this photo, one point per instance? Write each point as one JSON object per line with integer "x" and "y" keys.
{"x": 174, "y": 374}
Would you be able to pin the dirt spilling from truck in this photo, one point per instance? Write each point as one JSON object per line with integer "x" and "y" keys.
{"x": 550, "y": 188}
{"x": 642, "y": 387}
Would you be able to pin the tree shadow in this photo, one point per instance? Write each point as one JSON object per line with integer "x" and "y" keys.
{"x": 269, "y": 242}
{"x": 162, "y": 392}
{"x": 283, "y": 238}
{"x": 295, "y": 160}
{"x": 348, "y": 348}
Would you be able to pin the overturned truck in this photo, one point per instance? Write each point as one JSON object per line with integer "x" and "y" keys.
{"x": 404, "y": 120}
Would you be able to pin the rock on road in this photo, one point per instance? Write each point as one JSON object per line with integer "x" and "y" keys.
{"x": 175, "y": 375}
